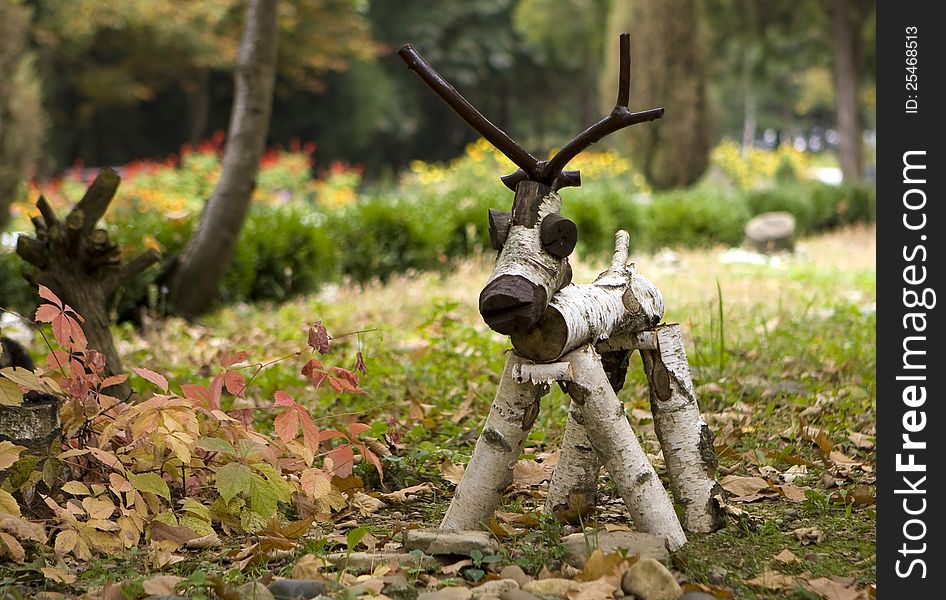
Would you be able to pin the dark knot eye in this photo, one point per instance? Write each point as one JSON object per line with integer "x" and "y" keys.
{"x": 558, "y": 235}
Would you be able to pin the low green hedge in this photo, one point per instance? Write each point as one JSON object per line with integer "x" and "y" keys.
{"x": 295, "y": 247}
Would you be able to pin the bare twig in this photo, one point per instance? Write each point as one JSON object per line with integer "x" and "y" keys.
{"x": 466, "y": 111}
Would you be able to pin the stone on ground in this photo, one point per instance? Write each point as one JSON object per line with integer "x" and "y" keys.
{"x": 553, "y": 586}
{"x": 771, "y": 232}
{"x": 516, "y": 573}
{"x": 578, "y": 546}
{"x": 254, "y": 590}
{"x": 494, "y": 587}
{"x": 647, "y": 579}
{"x": 449, "y": 593}
{"x": 444, "y": 541}
{"x": 296, "y": 589}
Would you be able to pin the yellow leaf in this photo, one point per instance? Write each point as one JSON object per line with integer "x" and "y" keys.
{"x": 66, "y": 541}
{"x": 13, "y": 547}
{"x": 10, "y": 393}
{"x": 76, "y": 488}
{"x": 602, "y": 566}
{"x": 23, "y": 529}
{"x": 8, "y": 504}
{"x": 59, "y": 574}
{"x": 162, "y": 585}
{"x": 9, "y": 453}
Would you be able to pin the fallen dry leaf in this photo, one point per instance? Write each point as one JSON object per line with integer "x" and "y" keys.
{"x": 529, "y": 472}
{"x": 308, "y": 567}
{"x": 454, "y": 568}
{"x": 451, "y": 472}
{"x": 59, "y": 574}
{"x": 366, "y": 505}
{"x": 793, "y": 492}
{"x": 593, "y": 590}
{"x": 161, "y": 585}
{"x": 747, "y": 489}
{"x": 862, "y": 441}
{"x": 523, "y": 520}
{"x": 408, "y": 494}
{"x": 794, "y": 472}
{"x": 835, "y": 588}
{"x": 809, "y": 535}
{"x": 787, "y": 556}
{"x": 773, "y": 580}
{"x": 602, "y": 566}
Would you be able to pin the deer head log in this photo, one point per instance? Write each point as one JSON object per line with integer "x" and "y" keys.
{"x": 533, "y": 259}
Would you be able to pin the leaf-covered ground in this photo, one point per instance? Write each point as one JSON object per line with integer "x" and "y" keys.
{"x": 783, "y": 357}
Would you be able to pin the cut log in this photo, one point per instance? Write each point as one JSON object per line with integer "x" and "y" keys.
{"x": 614, "y": 441}
{"x": 558, "y": 235}
{"x": 685, "y": 439}
{"x": 489, "y": 471}
{"x": 573, "y": 489}
{"x": 525, "y": 276}
{"x": 619, "y": 300}
{"x": 82, "y": 266}
{"x": 498, "y": 228}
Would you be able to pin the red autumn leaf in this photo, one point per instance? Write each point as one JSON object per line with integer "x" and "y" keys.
{"x": 216, "y": 392}
{"x": 372, "y": 458}
{"x": 114, "y": 380}
{"x": 286, "y": 425}
{"x": 310, "y": 433}
{"x": 360, "y": 364}
{"x": 47, "y": 312}
{"x": 155, "y": 378}
{"x": 235, "y": 383}
{"x": 192, "y": 391}
{"x": 343, "y": 459}
{"x": 283, "y": 399}
{"x": 319, "y": 337}
{"x": 243, "y": 415}
{"x": 47, "y": 294}
{"x": 346, "y": 381}
{"x": 228, "y": 359}
{"x": 357, "y": 428}
{"x": 314, "y": 372}
{"x": 57, "y": 359}
{"x": 331, "y": 433}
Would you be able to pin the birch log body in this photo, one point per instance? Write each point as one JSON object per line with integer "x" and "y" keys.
{"x": 574, "y": 485}
{"x": 615, "y": 443}
{"x": 525, "y": 276}
{"x": 685, "y": 439}
{"x": 619, "y": 300}
{"x": 489, "y": 472}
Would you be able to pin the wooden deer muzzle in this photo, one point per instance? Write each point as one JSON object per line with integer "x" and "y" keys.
{"x": 534, "y": 242}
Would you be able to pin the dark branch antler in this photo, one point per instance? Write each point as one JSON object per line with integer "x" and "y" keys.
{"x": 549, "y": 172}
{"x": 466, "y": 111}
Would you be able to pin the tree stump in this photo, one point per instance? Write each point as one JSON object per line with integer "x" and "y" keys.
{"x": 771, "y": 232}
{"x": 82, "y": 266}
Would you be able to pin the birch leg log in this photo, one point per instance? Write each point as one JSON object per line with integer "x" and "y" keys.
{"x": 685, "y": 439}
{"x": 620, "y": 299}
{"x": 489, "y": 472}
{"x": 573, "y": 489}
{"x": 610, "y": 433}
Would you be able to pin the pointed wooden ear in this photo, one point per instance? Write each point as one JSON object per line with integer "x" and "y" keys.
{"x": 558, "y": 235}
{"x": 498, "y": 228}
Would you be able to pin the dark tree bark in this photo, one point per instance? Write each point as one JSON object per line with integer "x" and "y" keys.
{"x": 846, "y": 84}
{"x": 82, "y": 266}
{"x": 197, "y": 276}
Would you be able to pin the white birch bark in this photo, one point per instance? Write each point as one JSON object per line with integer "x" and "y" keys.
{"x": 613, "y": 439}
{"x": 573, "y": 488}
{"x": 619, "y": 300}
{"x": 489, "y": 472}
{"x": 685, "y": 439}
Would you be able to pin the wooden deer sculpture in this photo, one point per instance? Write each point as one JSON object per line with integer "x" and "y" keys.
{"x": 580, "y": 336}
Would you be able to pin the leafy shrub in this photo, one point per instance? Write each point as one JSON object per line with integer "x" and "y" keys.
{"x": 15, "y": 293}
{"x": 793, "y": 198}
{"x": 701, "y": 216}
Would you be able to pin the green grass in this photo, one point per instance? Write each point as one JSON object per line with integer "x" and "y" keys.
{"x": 772, "y": 349}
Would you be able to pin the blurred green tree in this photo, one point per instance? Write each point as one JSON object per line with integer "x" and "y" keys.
{"x": 22, "y": 119}
{"x": 669, "y": 69}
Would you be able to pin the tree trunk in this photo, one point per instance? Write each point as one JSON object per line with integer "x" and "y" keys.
{"x": 685, "y": 439}
{"x": 198, "y": 105}
{"x": 82, "y": 266}
{"x": 489, "y": 471}
{"x": 846, "y": 83}
{"x": 197, "y": 277}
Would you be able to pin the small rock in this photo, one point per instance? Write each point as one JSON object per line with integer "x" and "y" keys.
{"x": 254, "y": 590}
{"x": 397, "y": 587}
{"x": 442, "y": 541}
{"x": 649, "y": 580}
{"x": 697, "y": 596}
{"x": 450, "y": 593}
{"x": 771, "y": 232}
{"x": 553, "y": 586}
{"x": 296, "y": 589}
{"x": 579, "y": 546}
{"x": 518, "y": 595}
{"x": 495, "y": 587}
{"x": 717, "y": 575}
{"x": 515, "y": 573}
{"x": 362, "y": 562}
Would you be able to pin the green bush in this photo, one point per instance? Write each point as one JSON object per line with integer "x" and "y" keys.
{"x": 699, "y": 217}
{"x": 793, "y": 198}
{"x": 15, "y": 293}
